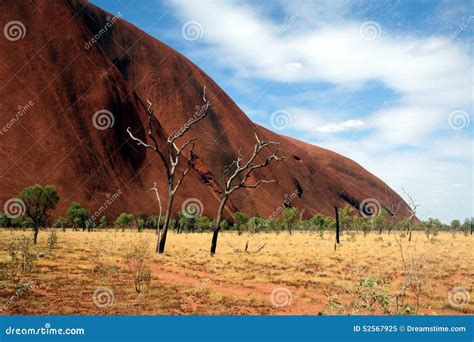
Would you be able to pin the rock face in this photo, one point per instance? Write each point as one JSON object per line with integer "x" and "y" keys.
{"x": 54, "y": 77}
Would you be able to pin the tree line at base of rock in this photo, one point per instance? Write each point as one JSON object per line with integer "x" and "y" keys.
{"x": 39, "y": 200}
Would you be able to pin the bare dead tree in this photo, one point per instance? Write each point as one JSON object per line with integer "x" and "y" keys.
{"x": 412, "y": 206}
{"x": 337, "y": 227}
{"x": 171, "y": 157}
{"x": 236, "y": 176}
{"x": 155, "y": 189}
{"x": 393, "y": 206}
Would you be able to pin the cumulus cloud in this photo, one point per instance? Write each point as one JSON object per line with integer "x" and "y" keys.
{"x": 430, "y": 76}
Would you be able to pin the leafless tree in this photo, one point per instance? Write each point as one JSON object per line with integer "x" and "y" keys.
{"x": 170, "y": 156}
{"x": 155, "y": 189}
{"x": 412, "y": 206}
{"x": 392, "y": 204}
{"x": 236, "y": 176}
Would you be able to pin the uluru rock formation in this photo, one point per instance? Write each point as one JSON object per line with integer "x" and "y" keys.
{"x": 54, "y": 78}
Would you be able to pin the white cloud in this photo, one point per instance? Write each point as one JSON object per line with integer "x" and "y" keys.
{"x": 430, "y": 78}
{"x": 341, "y": 127}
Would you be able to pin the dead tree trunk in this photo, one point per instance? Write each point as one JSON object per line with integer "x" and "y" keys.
{"x": 171, "y": 158}
{"x": 241, "y": 173}
{"x": 35, "y": 234}
{"x": 337, "y": 225}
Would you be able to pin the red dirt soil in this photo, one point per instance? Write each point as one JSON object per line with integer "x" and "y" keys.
{"x": 55, "y": 141}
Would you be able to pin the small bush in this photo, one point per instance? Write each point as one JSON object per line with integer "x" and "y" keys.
{"x": 136, "y": 259}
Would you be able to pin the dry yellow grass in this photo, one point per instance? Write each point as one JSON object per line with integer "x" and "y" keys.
{"x": 186, "y": 280}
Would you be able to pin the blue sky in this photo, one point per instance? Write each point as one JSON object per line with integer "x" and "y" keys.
{"x": 386, "y": 83}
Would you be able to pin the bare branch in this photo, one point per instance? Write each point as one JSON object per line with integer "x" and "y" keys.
{"x": 139, "y": 141}
{"x": 191, "y": 122}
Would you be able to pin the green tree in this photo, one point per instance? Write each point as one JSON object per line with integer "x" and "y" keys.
{"x": 240, "y": 219}
{"x": 103, "y": 222}
{"x": 255, "y": 224}
{"x": 319, "y": 222}
{"x": 362, "y": 224}
{"x": 224, "y": 225}
{"x": 78, "y": 216}
{"x": 60, "y": 222}
{"x": 346, "y": 217}
{"x": 203, "y": 223}
{"x": 124, "y": 220}
{"x": 378, "y": 220}
{"x": 455, "y": 225}
{"x": 289, "y": 216}
{"x": 152, "y": 222}
{"x": 467, "y": 226}
{"x": 4, "y": 221}
{"x": 39, "y": 200}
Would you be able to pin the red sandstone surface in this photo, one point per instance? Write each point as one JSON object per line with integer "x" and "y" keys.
{"x": 55, "y": 142}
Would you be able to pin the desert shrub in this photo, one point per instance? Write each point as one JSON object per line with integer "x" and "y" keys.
{"x": 136, "y": 259}
{"x": 203, "y": 223}
{"x": 371, "y": 295}
{"x": 239, "y": 220}
{"x": 289, "y": 216}
{"x": 140, "y": 224}
{"x": 319, "y": 222}
{"x": 52, "y": 239}
{"x": 224, "y": 225}
{"x": 78, "y": 215}
{"x": 124, "y": 220}
{"x": 60, "y": 222}
{"x": 22, "y": 256}
{"x": 4, "y": 220}
{"x": 152, "y": 222}
{"x": 103, "y": 222}
{"x": 255, "y": 224}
